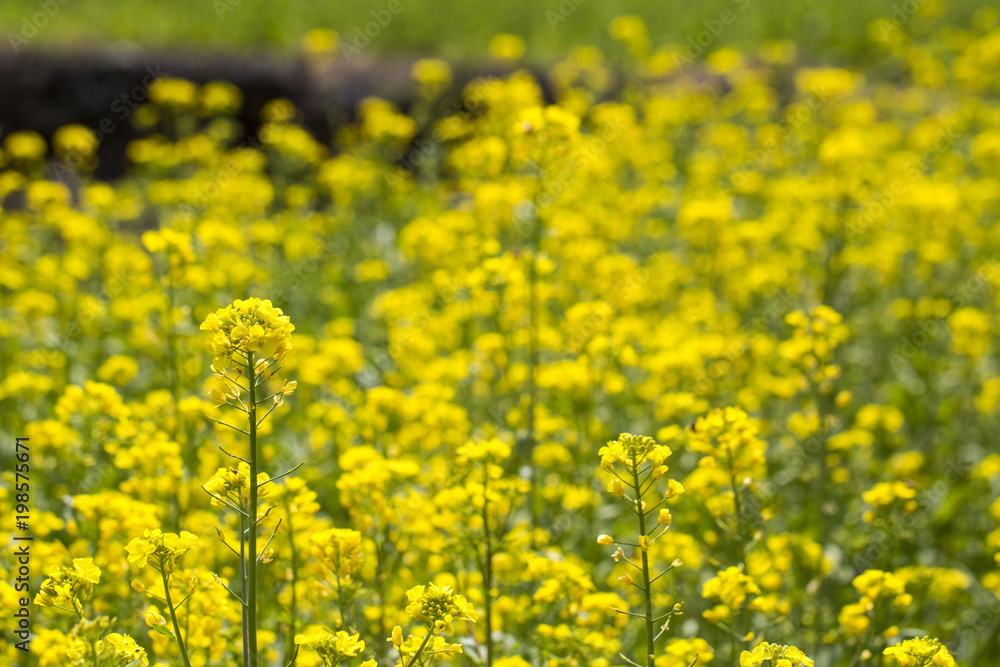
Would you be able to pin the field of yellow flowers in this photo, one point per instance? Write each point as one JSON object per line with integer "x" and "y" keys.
{"x": 672, "y": 365}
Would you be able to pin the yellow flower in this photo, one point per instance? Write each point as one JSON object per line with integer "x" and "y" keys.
{"x": 172, "y": 94}
{"x": 507, "y": 47}
{"x": 157, "y": 622}
{"x": 332, "y": 648}
{"x": 432, "y": 76}
{"x": 633, "y": 450}
{"x": 320, "y": 41}
{"x": 66, "y": 589}
{"x": 338, "y": 549}
{"x": 438, "y": 607}
{"x": 674, "y": 489}
{"x": 248, "y": 329}
{"x": 86, "y": 570}
{"x": 121, "y": 650}
{"x": 731, "y": 586}
{"x": 922, "y": 652}
{"x": 75, "y": 141}
{"x": 233, "y": 484}
{"x": 774, "y": 655}
{"x": 161, "y": 550}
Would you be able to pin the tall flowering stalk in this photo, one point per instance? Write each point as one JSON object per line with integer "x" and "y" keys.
{"x": 249, "y": 339}
{"x": 161, "y": 551}
{"x": 637, "y": 462}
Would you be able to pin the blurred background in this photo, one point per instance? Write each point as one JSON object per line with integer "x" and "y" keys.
{"x": 85, "y": 61}
{"x": 454, "y": 29}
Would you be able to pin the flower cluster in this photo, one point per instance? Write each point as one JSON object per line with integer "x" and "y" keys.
{"x": 251, "y": 328}
{"x": 922, "y": 652}
{"x": 773, "y": 655}
{"x": 66, "y": 588}
{"x": 233, "y": 484}
{"x": 437, "y": 607}
{"x": 339, "y": 549}
{"x": 160, "y": 550}
{"x": 334, "y": 648}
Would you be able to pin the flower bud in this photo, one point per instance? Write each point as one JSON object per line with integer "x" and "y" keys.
{"x": 153, "y": 618}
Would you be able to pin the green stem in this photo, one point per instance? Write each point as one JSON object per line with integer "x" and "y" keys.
{"x": 293, "y": 611}
{"x": 173, "y": 617}
{"x": 647, "y": 592}
{"x": 252, "y": 537}
{"x": 420, "y": 650}
{"x": 532, "y": 365}
{"x": 488, "y": 567}
{"x": 340, "y": 603}
{"x": 243, "y": 591}
{"x": 740, "y": 548}
{"x": 380, "y": 556}
{"x": 175, "y": 386}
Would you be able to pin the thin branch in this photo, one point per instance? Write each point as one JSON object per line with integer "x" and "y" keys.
{"x": 229, "y": 546}
{"x": 226, "y": 377}
{"x": 264, "y": 550}
{"x": 629, "y": 661}
{"x": 152, "y": 595}
{"x": 661, "y": 574}
{"x": 267, "y": 413}
{"x": 627, "y": 613}
{"x": 284, "y": 474}
{"x": 219, "y": 581}
{"x": 265, "y": 400}
{"x": 655, "y": 507}
{"x": 267, "y": 374}
{"x": 257, "y": 522}
{"x": 230, "y": 426}
{"x": 233, "y": 455}
{"x": 625, "y": 558}
{"x": 225, "y": 502}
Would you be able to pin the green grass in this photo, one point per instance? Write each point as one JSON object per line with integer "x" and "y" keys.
{"x": 832, "y": 30}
